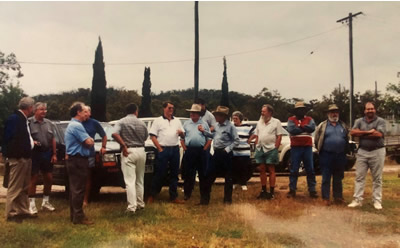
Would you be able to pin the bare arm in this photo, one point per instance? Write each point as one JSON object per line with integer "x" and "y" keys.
{"x": 252, "y": 137}
{"x": 103, "y": 145}
{"x": 155, "y": 142}
{"x": 118, "y": 138}
{"x": 207, "y": 145}
{"x": 358, "y": 133}
{"x": 183, "y": 145}
{"x": 278, "y": 141}
{"x": 54, "y": 157}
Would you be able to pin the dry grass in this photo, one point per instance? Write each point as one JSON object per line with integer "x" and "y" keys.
{"x": 282, "y": 222}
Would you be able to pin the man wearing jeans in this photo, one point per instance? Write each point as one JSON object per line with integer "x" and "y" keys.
{"x": 165, "y": 132}
{"x": 371, "y": 155}
{"x": 131, "y": 133}
{"x": 300, "y": 128}
{"x": 331, "y": 141}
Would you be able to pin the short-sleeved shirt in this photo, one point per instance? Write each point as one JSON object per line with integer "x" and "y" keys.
{"x": 92, "y": 127}
{"x": 244, "y": 132}
{"x": 42, "y": 132}
{"x": 132, "y": 131}
{"x": 209, "y": 118}
{"x": 75, "y": 136}
{"x": 334, "y": 138}
{"x": 378, "y": 124}
{"x": 166, "y": 130}
{"x": 267, "y": 133}
{"x": 193, "y": 137}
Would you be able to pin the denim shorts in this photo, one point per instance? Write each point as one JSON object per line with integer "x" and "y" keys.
{"x": 271, "y": 157}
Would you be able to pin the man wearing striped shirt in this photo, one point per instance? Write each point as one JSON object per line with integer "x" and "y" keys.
{"x": 300, "y": 127}
{"x": 131, "y": 133}
{"x": 241, "y": 154}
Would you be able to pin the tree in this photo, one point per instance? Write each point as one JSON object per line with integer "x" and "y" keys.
{"x": 99, "y": 86}
{"x": 10, "y": 69}
{"x": 145, "y": 106}
{"x": 224, "y": 88}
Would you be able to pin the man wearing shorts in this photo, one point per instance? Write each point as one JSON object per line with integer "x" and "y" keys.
{"x": 268, "y": 138}
{"x": 43, "y": 156}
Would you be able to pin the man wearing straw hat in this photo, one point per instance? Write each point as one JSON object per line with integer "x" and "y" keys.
{"x": 196, "y": 147}
{"x": 300, "y": 128}
{"x": 225, "y": 139}
{"x": 331, "y": 140}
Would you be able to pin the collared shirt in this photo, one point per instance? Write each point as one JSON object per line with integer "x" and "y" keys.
{"x": 75, "y": 136}
{"x": 267, "y": 133}
{"x": 378, "y": 124}
{"x": 92, "y": 127}
{"x": 225, "y": 136}
{"x": 132, "y": 131}
{"x": 209, "y": 118}
{"x": 193, "y": 137}
{"x": 244, "y": 132}
{"x": 166, "y": 130}
{"x": 335, "y": 138}
{"x": 42, "y": 132}
{"x": 27, "y": 127}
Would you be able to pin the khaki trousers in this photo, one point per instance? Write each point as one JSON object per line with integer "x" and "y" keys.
{"x": 17, "y": 193}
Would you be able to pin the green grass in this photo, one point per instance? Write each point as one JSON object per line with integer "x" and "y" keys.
{"x": 163, "y": 224}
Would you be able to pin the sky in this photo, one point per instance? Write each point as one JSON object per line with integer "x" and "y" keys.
{"x": 295, "y": 48}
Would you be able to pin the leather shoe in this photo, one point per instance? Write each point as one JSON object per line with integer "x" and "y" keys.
{"x": 327, "y": 202}
{"x": 313, "y": 194}
{"x": 177, "y": 201}
{"x": 339, "y": 201}
{"x": 150, "y": 200}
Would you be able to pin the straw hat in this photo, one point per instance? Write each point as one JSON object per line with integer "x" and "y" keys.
{"x": 221, "y": 110}
{"x": 195, "y": 108}
{"x": 333, "y": 107}
{"x": 299, "y": 105}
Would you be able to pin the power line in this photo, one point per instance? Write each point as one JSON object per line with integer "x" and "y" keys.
{"x": 191, "y": 59}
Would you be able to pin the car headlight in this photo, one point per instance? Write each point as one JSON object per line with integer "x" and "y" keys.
{"x": 109, "y": 157}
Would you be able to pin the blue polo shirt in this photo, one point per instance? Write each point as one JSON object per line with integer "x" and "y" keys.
{"x": 75, "y": 136}
{"x": 92, "y": 127}
{"x": 193, "y": 137}
{"x": 335, "y": 138}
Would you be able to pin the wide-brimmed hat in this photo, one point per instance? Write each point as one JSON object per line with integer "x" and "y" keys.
{"x": 332, "y": 107}
{"x": 221, "y": 110}
{"x": 299, "y": 105}
{"x": 195, "y": 108}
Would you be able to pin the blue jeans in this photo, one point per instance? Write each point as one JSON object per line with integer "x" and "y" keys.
{"x": 167, "y": 159}
{"x": 305, "y": 154}
{"x": 332, "y": 166}
{"x": 221, "y": 164}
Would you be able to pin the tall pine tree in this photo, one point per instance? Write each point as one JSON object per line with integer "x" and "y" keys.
{"x": 145, "y": 106}
{"x": 225, "y": 90}
{"x": 99, "y": 86}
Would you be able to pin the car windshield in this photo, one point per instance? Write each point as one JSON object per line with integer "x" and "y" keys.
{"x": 109, "y": 131}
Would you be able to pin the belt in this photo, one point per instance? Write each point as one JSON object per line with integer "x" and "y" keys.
{"x": 371, "y": 148}
{"x": 169, "y": 146}
{"x": 219, "y": 149}
{"x": 135, "y": 146}
{"x": 78, "y": 155}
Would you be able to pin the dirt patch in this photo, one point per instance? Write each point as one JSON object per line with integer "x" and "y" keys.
{"x": 320, "y": 227}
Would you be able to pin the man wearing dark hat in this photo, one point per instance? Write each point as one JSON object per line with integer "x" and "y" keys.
{"x": 225, "y": 139}
{"x": 196, "y": 147}
{"x": 300, "y": 128}
{"x": 331, "y": 141}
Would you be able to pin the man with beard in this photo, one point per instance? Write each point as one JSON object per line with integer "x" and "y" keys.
{"x": 300, "y": 128}
{"x": 268, "y": 135}
{"x": 370, "y": 155}
{"x": 331, "y": 141}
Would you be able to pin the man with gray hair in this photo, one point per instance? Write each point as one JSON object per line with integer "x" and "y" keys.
{"x": 17, "y": 149}
{"x": 43, "y": 156}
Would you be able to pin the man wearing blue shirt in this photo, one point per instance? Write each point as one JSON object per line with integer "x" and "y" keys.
{"x": 78, "y": 143}
{"x": 196, "y": 147}
{"x": 225, "y": 139}
{"x": 331, "y": 141}
{"x": 92, "y": 127}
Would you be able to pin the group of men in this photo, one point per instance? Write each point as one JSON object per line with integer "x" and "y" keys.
{"x": 30, "y": 147}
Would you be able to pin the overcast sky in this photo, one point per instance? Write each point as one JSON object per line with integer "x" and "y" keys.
{"x": 296, "y": 48}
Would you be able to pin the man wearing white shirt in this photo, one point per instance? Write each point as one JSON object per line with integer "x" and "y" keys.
{"x": 165, "y": 132}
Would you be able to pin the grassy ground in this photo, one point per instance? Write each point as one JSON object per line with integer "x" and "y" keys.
{"x": 282, "y": 222}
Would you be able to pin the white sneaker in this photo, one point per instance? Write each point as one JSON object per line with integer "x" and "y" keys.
{"x": 244, "y": 187}
{"x": 33, "y": 210}
{"x": 355, "y": 203}
{"x": 47, "y": 206}
{"x": 377, "y": 205}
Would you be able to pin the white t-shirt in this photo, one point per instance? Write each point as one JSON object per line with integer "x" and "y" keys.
{"x": 267, "y": 133}
{"x": 166, "y": 131}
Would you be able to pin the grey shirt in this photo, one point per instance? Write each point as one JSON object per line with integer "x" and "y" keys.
{"x": 42, "y": 132}
{"x": 209, "y": 118}
{"x": 378, "y": 124}
{"x": 132, "y": 131}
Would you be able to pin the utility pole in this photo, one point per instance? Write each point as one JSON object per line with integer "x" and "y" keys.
{"x": 196, "y": 50}
{"x": 349, "y": 19}
{"x": 376, "y": 91}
